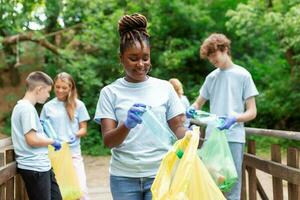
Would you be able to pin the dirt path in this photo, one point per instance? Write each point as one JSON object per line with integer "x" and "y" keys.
{"x": 98, "y": 179}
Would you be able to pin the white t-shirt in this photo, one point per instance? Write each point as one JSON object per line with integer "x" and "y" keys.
{"x": 227, "y": 90}
{"x": 55, "y": 111}
{"x": 24, "y": 119}
{"x": 137, "y": 156}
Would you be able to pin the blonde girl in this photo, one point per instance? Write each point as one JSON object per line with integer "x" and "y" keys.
{"x": 68, "y": 116}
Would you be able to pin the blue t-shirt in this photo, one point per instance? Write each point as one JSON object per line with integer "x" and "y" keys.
{"x": 55, "y": 111}
{"x": 227, "y": 90}
{"x": 24, "y": 119}
{"x": 138, "y": 156}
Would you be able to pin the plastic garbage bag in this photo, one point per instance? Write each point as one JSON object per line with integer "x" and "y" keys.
{"x": 216, "y": 154}
{"x": 48, "y": 129}
{"x": 161, "y": 133}
{"x": 64, "y": 171}
{"x": 184, "y": 177}
{"x": 217, "y": 157}
{"x": 206, "y": 117}
{"x": 62, "y": 165}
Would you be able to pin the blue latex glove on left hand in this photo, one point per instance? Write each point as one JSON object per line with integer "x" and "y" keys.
{"x": 227, "y": 122}
{"x": 56, "y": 145}
{"x": 133, "y": 115}
{"x": 190, "y": 112}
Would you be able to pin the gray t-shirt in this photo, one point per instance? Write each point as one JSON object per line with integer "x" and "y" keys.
{"x": 227, "y": 90}
{"x": 137, "y": 156}
{"x": 55, "y": 111}
{"x": 24, "y": 119}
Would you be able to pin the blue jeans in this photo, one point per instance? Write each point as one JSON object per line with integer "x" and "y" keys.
{"x": 237, "y": 150}
{"x": 125, "y": 188}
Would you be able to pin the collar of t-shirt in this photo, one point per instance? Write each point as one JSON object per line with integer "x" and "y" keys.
{"x": 135, "y": 85}
{"x": 227, "y": 68}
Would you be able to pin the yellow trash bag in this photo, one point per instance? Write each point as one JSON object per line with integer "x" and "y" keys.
{"x": 64, "y": 171}
{"x": 183, "y": 176}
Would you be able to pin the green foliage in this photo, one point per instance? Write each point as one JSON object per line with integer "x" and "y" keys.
{"x": 6, "y": 128}
{"x": 90, "y": 53}
{"x": 265, "y": 57}
{"x": 93, "y": 143}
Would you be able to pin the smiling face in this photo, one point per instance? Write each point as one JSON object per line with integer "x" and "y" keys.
{"x": 62, "y": 88}
{"x": 136, "y": 62}
{"x": 220, "y": 59}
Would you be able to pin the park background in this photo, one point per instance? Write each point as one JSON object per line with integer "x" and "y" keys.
{"x": 81, "y": 38}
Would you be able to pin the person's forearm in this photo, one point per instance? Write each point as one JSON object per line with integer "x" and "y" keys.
{"x": 246, "y": 116}
{"x": 38, "y": 141}
{"x": 176, "y": 124}
{"x": 200, "y": 101}
{"x": 180, "y": 132}
{"x": 115, "y": 137}
{"x": 250, "y": 112}
{"x": 81, "y": 132}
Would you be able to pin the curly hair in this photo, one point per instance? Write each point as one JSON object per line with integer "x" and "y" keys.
{"x": 133, "y": 28}
{"x": 215, "y": 42}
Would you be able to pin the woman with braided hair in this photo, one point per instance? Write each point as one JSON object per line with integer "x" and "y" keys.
{"x": 135, "y": 159}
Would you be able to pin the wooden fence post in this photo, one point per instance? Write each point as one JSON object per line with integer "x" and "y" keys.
{"x": 244, "y": 185}
{"x": 2, "y": 187}
{"x": 293, "y": 161}
{"x": 9, "y": 157}
{"x": 277, "y": 182}
{"x": 252, "y": 172}
{"x": 20, "y": 188}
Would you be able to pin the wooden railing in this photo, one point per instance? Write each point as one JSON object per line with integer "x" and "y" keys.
{"x": 289, "y": 172}
{"x": 11, "y": 183}
{"x": 12, "y": 186}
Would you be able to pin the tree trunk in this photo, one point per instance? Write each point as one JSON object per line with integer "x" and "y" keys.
{"x": 269, "y": 3}
{"x": 295, "y": 66}
{"x": 14, "y": 75}
{"x": 289, "y": 56}
{"x": 10, "y": 58}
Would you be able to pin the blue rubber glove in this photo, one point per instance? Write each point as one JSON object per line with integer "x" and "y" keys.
{"x": 72, "y": 139}
{"x": 56, "y": 145}
{"x": 227, "y": 122}
{"x": 133, "y": 115}
{"x": 190, "y": 112}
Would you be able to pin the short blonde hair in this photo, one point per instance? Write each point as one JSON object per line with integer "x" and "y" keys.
{"x": 215, "y": 42}
{"x": 36, "y": 79}
{"x": 177, "y": 86}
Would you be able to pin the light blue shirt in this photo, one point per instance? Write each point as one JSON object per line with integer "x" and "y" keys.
{"x": 227, "y": 90}
{"x": 139, "y": 155}
{"x": 24, "y": 119}
{"x": 55, "y": 111}
{"x": 185, "y": 102}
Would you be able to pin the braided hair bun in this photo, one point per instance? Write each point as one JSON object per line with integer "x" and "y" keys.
{"x": 132, "y": 28}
